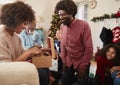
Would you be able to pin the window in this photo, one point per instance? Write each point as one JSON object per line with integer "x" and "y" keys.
{"x": 82, "y": 11}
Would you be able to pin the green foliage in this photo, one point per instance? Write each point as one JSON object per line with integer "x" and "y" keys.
{"x": 105, "y": 16}
{"x": 55, "y": 25}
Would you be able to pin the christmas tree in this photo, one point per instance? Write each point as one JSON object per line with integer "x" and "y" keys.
{"x": 55, "y": 25}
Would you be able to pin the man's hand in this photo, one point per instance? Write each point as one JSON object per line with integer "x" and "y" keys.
{"x": 64, "y": 69}
{"x": 81, "y": 74}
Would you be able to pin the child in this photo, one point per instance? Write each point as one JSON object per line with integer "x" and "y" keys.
{"x": 55, "y": 76}
{"x": 57, "y": 47}
{"x": 108, "y": 57}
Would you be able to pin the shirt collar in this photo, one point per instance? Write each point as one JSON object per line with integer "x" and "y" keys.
{"x": 72, "y": 23}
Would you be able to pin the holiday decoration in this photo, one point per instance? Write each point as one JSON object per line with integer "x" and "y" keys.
{"x": 56, "y": 22}
{"x": 118, "y": 13}
{"x": 106, "y": 16}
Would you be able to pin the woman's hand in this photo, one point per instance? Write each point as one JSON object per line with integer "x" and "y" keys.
{"x": 46, "y": 51}
{"x": 35, "y": 51}
{"x": 115, "y": 68}
{"x": 118, "y": 75}
{"x": 32, "y": 52}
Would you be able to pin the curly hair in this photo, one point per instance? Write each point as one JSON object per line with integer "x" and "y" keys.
{"x": 104, "y": 50}
{"x": 68, "y": 6}
{"x": 13, "y": 14}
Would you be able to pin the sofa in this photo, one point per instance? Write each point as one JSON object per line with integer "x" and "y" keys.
{"x": 18, "y": 73}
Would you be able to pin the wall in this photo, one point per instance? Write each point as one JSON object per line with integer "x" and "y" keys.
{"x": 44, "y": 10}
{"x": 103, "y": 7}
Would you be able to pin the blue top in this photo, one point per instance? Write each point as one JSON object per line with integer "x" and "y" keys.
{"x": 29, "y": 40}
{"x": 41, "y": 34}
{"x": 57, "y": 46}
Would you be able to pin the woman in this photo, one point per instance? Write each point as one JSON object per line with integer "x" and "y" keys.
{"x": 15, "y": 17}
{"x": 107, "y": 58}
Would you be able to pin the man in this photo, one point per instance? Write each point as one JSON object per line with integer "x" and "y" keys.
{"x": 30, "y": 37}
{"x": 76, "y": 43}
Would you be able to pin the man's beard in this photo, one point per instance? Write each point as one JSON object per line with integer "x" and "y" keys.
{"x": 67, "y": 21}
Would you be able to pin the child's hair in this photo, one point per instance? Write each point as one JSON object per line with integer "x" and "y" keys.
{"x": 104, "y": 50}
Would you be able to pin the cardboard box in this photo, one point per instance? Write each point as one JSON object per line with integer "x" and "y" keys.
{"x": 42, "y": 61}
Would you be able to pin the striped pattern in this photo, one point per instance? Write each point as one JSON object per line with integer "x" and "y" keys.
{"x": 116, "y": 34}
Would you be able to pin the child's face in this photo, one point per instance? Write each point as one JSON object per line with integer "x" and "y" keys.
{"x": 32, "y": 26}
{"x": 110, "y": 53}
{"x": 58, "y": 34}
